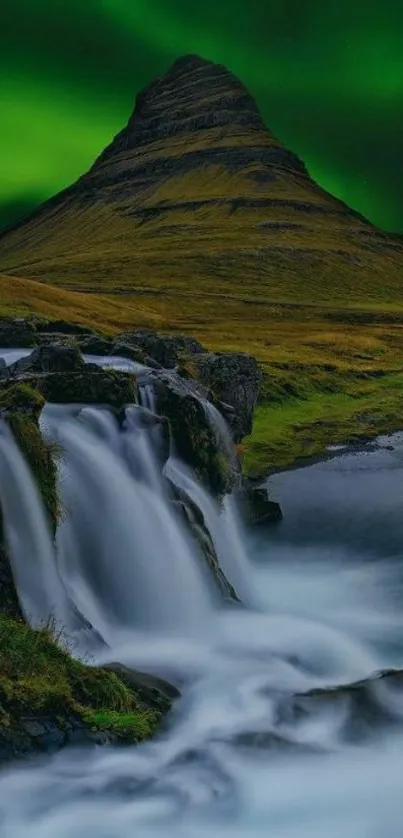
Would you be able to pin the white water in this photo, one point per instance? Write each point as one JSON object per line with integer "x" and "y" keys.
{"x": 325, "y": 594}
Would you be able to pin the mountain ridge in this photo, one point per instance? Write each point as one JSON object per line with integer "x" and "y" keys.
{"x": 195, "y": 191}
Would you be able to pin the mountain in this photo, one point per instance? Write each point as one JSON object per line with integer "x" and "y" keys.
{"x": 196, "y": 197}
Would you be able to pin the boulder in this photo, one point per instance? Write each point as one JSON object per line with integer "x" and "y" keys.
{"x": 257, "y": 506}
{"x": 95, "y": 345}
{"x": 52, "y": 358}
{"x": 167, "y": 350}
{"x": 193, "y": 436}
{"x": 132, "y": 353}
{"x": 89, "y": 385}
{"x": 234, "y": 379}
{"x": 63, "y": 327}
{"x": 16, "y": 332}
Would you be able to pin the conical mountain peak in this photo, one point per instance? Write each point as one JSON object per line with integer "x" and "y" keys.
{"x": 196, "y": 193}
{"x": 195, "y": 94}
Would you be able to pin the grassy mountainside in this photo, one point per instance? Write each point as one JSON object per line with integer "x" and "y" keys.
{"x": 197, "y": 219}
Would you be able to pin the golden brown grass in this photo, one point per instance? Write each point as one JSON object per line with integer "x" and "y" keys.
{"x": 253, "y": 257}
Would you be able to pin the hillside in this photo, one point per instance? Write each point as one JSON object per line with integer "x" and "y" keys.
{"x": 197, "y": 219}
{"x": 197, "y": 194}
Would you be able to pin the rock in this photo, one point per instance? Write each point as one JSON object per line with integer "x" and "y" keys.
{"x": 167, "y": 350}
{"x": 52, "y": 358}
{"x": 132, "y": 353}
{"x": 196, "y": 524}
{"x": 16, "y": 332}
{"x": 257, "y": 506}
{"x": 4, "y": 372}
{"x": 154, "y": 691}
{"x": 363, "y": 706}
{"x": 96, "y": 346}
{"x": 234, "y": 379}
{"x": 192, "y": 434}
{"x": 63, "y": 327}
{"x": 90, "y": 385}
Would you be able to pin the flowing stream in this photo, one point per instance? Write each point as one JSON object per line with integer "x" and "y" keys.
{"x": 245, "y": 752}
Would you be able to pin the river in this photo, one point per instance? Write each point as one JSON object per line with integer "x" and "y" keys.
{"x": 240, "y": 755}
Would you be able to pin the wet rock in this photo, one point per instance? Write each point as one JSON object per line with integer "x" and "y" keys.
{"x": 16, "y": 332}
{"x": 194, "y": 438}
{"x": 95, "y": 345}
{"x": 91, "y": 385}
{"x": 167, "y": 350}
{"x": 51, "y": 358}
{"x": 234, "y": 380}
{"x": 132, "y": 353}
{"x": 155, "y": 692}
{"x": 63, "y": 327}
{"x": 362, "y": 707}
{"x": 46, "y": 735}
{"x": 197, "y": 527}
{"x": 257, "y": 506}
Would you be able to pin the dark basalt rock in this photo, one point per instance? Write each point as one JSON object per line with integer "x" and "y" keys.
{"x": 63, "y": 327}
{"x": 366, "y": 703}
{"x": 193, "y": 436}
{"x": 133, "y": 353}
{"x": 52, "y": 358}
{"x": 90, "y": 385}
{"x": 257, "y": 506}
{"x": 16, "y": 331}
{"x": 196, "y": 524}
{"x": 234, "y": 379}
{"x": 95, "y": 346}
{"x": 167, "y": 350}
{"x": 45, "y": 734}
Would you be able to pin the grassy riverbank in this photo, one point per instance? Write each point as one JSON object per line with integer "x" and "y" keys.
{"x": 39, "y": 680}
{"x": 333, "y": 372}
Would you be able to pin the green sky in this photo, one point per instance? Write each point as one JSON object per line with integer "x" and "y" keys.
{"x": 327, "y": 75}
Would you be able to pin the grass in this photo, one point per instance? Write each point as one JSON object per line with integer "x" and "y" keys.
{"x": 252, "y": 256}
{"x": 300, "y": 429}
{"x": 324, "y": 365}
{"x": 38, "y": 677}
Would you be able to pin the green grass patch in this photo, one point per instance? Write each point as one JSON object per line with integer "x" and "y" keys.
{"x": 295, "y": 428}
{"x": 39, "y": 677}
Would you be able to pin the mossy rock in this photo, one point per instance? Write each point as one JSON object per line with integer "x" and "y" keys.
{"x": 54, "y": 357}
{"x": 194, "y": 439}
{"x": 48, "y": 699}
{"x": 92, "y": 385}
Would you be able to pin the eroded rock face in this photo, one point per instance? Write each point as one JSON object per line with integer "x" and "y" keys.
{"x": 234, "y": 379}
{"x": 90, "y": 385}
{"x": 51, "y": 358}
{"x": 257, "y": 506}
{"x": 194, "y": 438}
{"x": 16, "y": 331}
{"x": 167, "y": 350}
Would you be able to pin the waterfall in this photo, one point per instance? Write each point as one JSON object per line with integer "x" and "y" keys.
{"x": 123, "y": 557}
{"x": 28, "y": 538}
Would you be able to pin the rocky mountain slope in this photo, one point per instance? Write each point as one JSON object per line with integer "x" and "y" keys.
{"x": 196, "y": 196}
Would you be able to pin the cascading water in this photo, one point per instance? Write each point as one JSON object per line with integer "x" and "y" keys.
{"x": 247, "y": 751}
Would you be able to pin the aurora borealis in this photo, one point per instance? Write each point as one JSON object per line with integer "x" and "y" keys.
{"x": 327, "y": 75}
